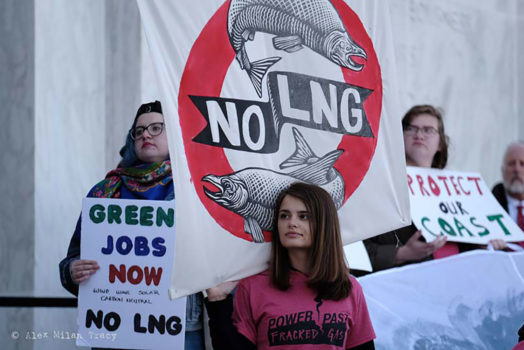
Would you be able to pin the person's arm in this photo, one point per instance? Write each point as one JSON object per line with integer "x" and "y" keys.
{"x": 370, "y": 345}
{"x": 381, "y": 255}
{"x": 417, "y": 250}
{"x": 224, "y": 335}
{"x": 73, "y": 253}
{"x": 72, "y": 269}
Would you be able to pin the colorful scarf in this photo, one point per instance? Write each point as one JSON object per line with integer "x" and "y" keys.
{"x": 144, "y": 181}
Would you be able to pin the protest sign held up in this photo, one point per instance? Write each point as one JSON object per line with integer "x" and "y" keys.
{"x": 458, "y": 205}
{"x": 126, "y": 304}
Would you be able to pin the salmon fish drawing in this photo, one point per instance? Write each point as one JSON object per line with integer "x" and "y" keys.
{"x": 252, "y": 192}
{"x": 296, "y": 23}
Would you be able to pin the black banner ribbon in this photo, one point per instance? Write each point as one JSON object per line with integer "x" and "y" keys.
{"x": 299, "y": 99}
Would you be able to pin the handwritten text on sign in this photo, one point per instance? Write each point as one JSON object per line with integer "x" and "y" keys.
{"x": 133, "y": 242}
{"x": 458, "y": 205}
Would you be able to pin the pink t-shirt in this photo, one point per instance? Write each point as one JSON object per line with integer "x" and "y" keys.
{"x": 275, "y": 319}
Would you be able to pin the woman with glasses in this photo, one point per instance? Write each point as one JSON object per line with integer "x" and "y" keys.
{"x": 306, "y": 299}
{"x": 144, "y": 172}
{"x": 426, "y": 145}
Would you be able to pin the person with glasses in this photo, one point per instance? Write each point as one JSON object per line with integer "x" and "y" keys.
{"x": 144, "y": 172}
{"x": 426, "y": 145}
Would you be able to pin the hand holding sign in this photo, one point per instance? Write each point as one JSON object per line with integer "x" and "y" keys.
{"x": 81, "y": 270}
{"x": 221, "y": 291}
{"x": 414, "y": 249}
{"x": 498, "y": 244}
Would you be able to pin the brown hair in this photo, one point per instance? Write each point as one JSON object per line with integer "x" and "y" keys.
{"x": 329, "y": 274}
{"x": 441, "y": 157}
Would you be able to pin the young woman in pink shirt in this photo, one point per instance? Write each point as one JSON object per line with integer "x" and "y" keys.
{"x": 306, "y": 297}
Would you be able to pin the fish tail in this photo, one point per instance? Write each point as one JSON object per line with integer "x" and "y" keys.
{"x": 252, "y": 227}
{"x": 321, "y": 171}
{"x": 258, "y": 70}
{"x": 303, "y": 153}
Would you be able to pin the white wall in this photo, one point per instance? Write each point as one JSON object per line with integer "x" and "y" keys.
{"x": 91, "y": 69}
{"x": 69, "y": 124}
{"x": 464, "y": 56}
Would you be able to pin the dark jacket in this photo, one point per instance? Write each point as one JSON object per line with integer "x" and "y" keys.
{"x": 382, "y": 249}
{"x": 500, "y": 194}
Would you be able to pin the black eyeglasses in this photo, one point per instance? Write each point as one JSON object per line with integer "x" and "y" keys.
{"x": 154, "y": 129}
{"x": 425, "y": 130}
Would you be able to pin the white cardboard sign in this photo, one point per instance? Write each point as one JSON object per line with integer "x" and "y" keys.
{"x": 458, "y": 205}
{"x": 125, "y": 304}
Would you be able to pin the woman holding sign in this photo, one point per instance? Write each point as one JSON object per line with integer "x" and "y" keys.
{"x": 426, "y": 146}
{"x": 307, "y": 296}
{"x": 144, "y": 172}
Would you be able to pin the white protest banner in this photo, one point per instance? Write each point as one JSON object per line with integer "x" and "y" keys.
{"x": 357, "y": 256}
{"x": 458, "y": 205}
{"x": 473, "y": 300}
{"x": 260, "y": 94}
{"x": 126, "y": 304}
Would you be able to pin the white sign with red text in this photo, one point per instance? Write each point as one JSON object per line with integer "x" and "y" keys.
{"x": 458, "y": 205}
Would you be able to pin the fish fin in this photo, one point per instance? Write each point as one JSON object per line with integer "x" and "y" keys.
{"x": 252, "y": 227}
{"x": 240, "y": 58}
{"x": 288, "y": 43}
{"x": 294, "y": 49}
{"x": 248, "y": 35}
{"x": 319, "y": 172}
{"x": 303, "y": 153}
{"x": 258, "y": 70}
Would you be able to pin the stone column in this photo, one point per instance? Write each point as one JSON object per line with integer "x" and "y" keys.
{"x": 17, "y": 99}
{"x": 123, "y": 62}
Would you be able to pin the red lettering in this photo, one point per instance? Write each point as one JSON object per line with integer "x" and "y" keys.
{"x": 444, "y": 180}
{"x": 452, "y": 179}
{"x": 459, "y": 179}
{"x": 153, "y": 275}
{"x": 120, "y": 274}
{"x": 135, "y": 274}
{"x": 433, "y": 186}
{"x": 410, "y": 181}
{"x": 423, "y": 191}
{"x": 476, "y": 179}
{"x": 139, "y": 274}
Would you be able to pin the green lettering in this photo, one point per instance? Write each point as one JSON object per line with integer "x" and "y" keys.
{"x": 461, "y": 227}
{"x": 113, "y": 214}
{"x": 423, "y": 222}
{"x": 167, "y": 218}
{"x": 96, "y": 213}
{"x": 131, "y": 215}
{"x": 498, "y": 219}
{"x": 146, "y": 216}
{"x": 483, "y": 233}
{"x": 446, "y": 227}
